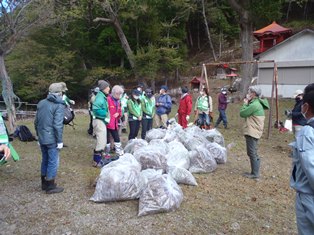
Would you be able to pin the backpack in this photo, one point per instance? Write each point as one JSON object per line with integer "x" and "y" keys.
{"x": 168, "y": 110}
{"x": 24, "y": 134}
{"x": 68, "y": 116}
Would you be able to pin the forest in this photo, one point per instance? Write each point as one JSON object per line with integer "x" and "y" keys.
{"x": 126, "y": 41}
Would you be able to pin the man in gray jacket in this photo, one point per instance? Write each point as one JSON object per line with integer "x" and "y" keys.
{"x": 302, "y": 176}
{"x": 49, "y": 128}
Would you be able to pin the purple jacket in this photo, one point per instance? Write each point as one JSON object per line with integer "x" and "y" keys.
{"x": 222, "y": 101}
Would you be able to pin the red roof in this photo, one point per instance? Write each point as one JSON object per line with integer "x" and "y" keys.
{"x": 272, "y": 28}
{"x": 197, "y": 80}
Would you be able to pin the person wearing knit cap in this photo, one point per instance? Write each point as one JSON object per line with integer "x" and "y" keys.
{"x": 185, "y": 108}
{"x": 65, "y": 98}
{"x": 101, "y": 117}
{"x": 49, "y": 129}
{"x": 253, "y": 112}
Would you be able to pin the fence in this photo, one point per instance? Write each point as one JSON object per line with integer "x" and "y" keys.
{"x": 25, "y": 110}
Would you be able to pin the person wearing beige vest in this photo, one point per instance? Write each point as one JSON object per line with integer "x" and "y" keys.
{"x": 253, "y": 112}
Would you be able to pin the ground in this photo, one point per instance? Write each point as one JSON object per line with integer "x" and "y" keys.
{"x": 224, "y": 202}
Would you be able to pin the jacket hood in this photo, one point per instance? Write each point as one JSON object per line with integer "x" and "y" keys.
{"x": 264, "y": 103}
{"x": 55, "y": 99}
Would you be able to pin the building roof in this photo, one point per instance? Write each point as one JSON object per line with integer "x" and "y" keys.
{"x": 286, "y": 42}
{"x": 197, "y": 80}
{"x": 273, "y": 28}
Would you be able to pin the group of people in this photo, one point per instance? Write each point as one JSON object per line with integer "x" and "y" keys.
{"x": 107, "y": 109}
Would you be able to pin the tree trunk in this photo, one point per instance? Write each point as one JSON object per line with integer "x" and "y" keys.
{"x": 208, "y": 32}
{"x": 288, "y": 10}
{"x": 113, "y": 19}
{"x": 247, "y": 54}
{"x": 246, "y": 27}
{"x": 8, "y": 94}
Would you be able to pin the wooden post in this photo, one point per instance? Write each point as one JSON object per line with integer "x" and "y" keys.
{"x": 205, "y": 75}
{"x": 276, "y": 94}
{"x": 270, "y": 124}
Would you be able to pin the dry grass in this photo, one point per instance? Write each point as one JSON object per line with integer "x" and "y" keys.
{"x": 224, "y": 202}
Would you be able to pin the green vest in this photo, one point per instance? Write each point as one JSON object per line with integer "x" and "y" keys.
{"x": 4, "y": 139}
{"x": 148, "y": 106}
{"x": 202, "y": 103}
{"x": 134, "y": 109}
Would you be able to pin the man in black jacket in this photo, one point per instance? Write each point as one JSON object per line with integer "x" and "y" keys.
{"x": 49, "y": 129}
{"x": 298, "y": 121}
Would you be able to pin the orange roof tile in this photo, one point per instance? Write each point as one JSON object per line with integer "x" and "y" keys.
{"x": 272, "y": 28}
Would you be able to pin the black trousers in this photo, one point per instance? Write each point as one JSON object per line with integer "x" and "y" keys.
{"x": 114, "y": 134}
{"x": 147, "y": 124}
{"x": 134, "y": 128}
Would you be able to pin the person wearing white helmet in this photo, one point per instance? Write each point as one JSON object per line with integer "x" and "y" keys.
{"x": 222, "y": 106}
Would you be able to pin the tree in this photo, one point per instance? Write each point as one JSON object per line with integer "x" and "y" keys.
{"x": 248, "y": 12}
{"x": 114, "y": 20}
{"x": 17, "y": 19}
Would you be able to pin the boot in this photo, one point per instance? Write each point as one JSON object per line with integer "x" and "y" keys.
{"x": 107, "y": 148}
{"x": 52, "y": 187}
{"x": 255, "y": 170}
{"x": 97, "y": 157}
{"x": 43, "y": 182}
{"x": 118, "y": 147}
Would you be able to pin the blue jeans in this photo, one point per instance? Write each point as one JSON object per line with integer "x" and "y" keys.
{"x": 50, "y": 161}
{"x": 203, "y": 119}
{"x": 222, "y": 117}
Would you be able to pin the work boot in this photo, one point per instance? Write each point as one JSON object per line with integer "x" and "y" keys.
{"x": 52, "y": 187}
{"x": 255, "y": 165}
{"x": 97, "y": 157}
{"x": 43, "y": 182}
{"x": 107, "y": 149}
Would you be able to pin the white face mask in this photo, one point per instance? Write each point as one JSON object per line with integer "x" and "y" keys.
{"x": 136, "y": 97}
{"x": 201, "y": 92}
{"x": 248, "y": 96}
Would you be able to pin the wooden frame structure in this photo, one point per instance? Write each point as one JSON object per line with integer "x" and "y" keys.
{"x": 274, "y": 87}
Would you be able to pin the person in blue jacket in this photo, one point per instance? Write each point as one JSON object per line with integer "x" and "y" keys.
{"x": 163, "y": 107}
{"x": 49, "y": 129}
{"x": 302, "y": 176}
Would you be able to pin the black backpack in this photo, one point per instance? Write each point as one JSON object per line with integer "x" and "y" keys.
{"x": 24, "y": 134}
{"x": 68, "y": 116}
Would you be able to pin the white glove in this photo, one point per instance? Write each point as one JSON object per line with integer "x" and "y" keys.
{"x": 72, "y": 102}
{"x": 187, "y": 117}
{"x": 59, "y": 146}
{"x": 176, "y": 115}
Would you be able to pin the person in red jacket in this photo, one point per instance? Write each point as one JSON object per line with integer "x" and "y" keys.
{"x": 115, "y": 114}
{"x": 185, "y": 107}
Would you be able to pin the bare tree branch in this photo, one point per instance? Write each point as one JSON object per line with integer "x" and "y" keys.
{"x": 100, "y": 19}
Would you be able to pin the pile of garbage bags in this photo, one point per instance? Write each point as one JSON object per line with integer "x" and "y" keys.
{"x": 151, "y": 169}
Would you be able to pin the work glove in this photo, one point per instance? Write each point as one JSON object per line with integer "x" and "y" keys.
{"x": 176, "y": 115}
{"x": 72, "y": 102}
{"x": 288, "y": 113}
{"x": 187, "y": 117}
{"x": 59, "y": 146}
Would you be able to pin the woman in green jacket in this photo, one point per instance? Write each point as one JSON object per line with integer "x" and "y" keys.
{"x": 148, "y": 108}
{"x": 253, "y": 112}
{"x": 134, "y": 113}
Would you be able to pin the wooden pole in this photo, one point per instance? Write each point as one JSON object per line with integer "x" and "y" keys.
{"x": 276, "y": 94}
{"x": 270, "y": 125}
{"x": 205, "y": 75}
